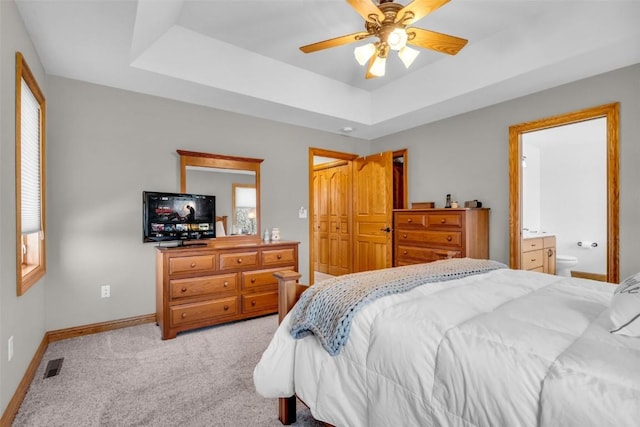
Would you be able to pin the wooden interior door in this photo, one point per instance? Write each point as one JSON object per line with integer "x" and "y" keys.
{"x": 321, "y": 213}
{"x": 339, "y": 179}
{"x": 373, "y": 211}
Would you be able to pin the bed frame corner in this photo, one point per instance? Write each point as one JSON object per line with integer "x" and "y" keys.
{"x": 288, "y": 293}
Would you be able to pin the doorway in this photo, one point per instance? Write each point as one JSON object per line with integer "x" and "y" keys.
{"x": 526, "y": 149}
{"x": 351, "y": 200}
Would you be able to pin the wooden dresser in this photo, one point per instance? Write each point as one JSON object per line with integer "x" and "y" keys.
{"x": 203, "y": 286}
{"x": 425, "y": 235}
{"x": 539, "y": 254}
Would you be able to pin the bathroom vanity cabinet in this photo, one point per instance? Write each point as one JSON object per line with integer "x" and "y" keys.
{"x": 539, "y": 254}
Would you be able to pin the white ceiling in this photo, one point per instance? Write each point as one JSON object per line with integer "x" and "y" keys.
{"x": 243, "y": 56}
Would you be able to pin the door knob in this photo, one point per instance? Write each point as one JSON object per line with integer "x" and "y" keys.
{"x": 386, "y": 230}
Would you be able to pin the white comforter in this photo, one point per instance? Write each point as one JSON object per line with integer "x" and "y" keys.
{"x": 505, "y": 348}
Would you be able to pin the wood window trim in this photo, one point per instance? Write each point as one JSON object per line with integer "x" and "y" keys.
{"x": 30, "y": 248}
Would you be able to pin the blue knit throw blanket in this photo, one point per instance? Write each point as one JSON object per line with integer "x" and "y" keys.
{"x": 327, "y": 308}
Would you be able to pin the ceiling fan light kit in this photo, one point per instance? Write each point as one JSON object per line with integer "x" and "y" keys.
{"x": 407, "y": 55}
{"x": 364, "y": 52}
{"x": 378, "y": 66}
{"x": 388, "y": 22}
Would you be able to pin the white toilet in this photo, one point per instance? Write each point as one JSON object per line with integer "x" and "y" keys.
{"x": 564, "y": 264}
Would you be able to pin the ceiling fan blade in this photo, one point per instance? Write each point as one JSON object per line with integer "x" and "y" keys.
{"x": 419, "y": 9}
{"x": 365, "y": 8}
{"x": 435, "y": 41}
{"x": 338, "y": 41}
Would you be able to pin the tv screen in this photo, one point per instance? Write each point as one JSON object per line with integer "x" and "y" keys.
{"x": 176, "y": 216}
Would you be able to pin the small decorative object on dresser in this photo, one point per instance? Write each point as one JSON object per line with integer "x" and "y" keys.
{"x": 425, "y": 235}
{"x": 423, "y": 205}
{"x": 197, "y": 287}
{"x": 275, "y": 233}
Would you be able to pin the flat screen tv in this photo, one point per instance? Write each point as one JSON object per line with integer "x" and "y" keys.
{"x": 178, "y": 217}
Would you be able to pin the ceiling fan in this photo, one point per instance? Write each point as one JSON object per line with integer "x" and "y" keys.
{"x": 389, "y": 22}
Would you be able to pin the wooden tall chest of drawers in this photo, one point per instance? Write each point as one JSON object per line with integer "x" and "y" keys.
{"x": 425, "y": 235}
{"x": 203, "y": 286}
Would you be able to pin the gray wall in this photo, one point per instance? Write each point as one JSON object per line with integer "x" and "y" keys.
{"x": 467, "y": 155}
{"x": 21, "y": 317}
{"x": 105, "y": 147}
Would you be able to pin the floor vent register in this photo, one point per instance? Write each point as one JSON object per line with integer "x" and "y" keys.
{"x": 53, "y": 367}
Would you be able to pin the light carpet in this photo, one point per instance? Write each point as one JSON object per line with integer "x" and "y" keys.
{"x": 130, "y": 377}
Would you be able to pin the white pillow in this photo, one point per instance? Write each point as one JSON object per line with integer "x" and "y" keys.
{"x": 624, "y": 310}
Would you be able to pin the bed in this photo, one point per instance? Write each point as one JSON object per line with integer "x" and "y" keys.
{"x": 498, "y": 347}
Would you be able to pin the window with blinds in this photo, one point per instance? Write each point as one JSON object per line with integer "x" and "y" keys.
{"x": 30, "y": 137}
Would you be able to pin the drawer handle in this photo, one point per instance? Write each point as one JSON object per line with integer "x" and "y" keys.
{"x": 404, "y": 252}
{"x": 193, "y": 264}
{"x": 533, "y": 259}
{"x": 279, "y": 256}
{"x": 253, "y": 280}
{"x": 443, "y": 220}
{"x": 533, "y": 245}
{"x": 550, "y": 253}
{"x": 226, "y": 307}
{"x": 409, "y": 220}
{"x": 226, "y": 284}
{"x": 183, "y": 315}
{"x": 239, "y": 260}
{"x": 404, "y": 236}
{"x": 253, "y": 302}
{"x": 449, "y": 238}
{"x": 183, "y": 290}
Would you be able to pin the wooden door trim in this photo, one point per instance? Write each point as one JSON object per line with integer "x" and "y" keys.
{"x": 612, "y": 114}
{"x": 404, "y": 153}
{"x": 320, "y": 152}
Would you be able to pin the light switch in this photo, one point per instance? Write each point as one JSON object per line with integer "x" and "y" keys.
{"x": 302, "y": 213}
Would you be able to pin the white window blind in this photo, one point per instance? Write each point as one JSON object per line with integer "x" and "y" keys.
{"x": 30, "y": 161}
{"x": 245, "y": 197}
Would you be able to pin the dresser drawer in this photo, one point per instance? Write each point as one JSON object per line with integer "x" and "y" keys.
{"x": 260, "y": 301}
{"x": 261, "y": 278}
{"x": 189, "y": 264}
{"x": 453, "y": 220}
{"x": 238, "y": 260}
{"x": 532, "y": 244}
{"x": 411, "y": 220}
{"x": 183, "y": 288}
{"x": 278, "y": 256}
{"x": 413, "y": 253}
{"x": 190, "y": 313}
{"x": 532, "y": 259}
{"x": 445, "y": 238}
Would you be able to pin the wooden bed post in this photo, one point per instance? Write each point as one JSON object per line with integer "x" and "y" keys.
{"x": 288, "y": 293}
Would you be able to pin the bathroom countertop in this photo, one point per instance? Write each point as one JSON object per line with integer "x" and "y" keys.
{"x": 535, "y": 235}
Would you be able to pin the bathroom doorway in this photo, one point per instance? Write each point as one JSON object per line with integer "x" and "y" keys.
{"x": 564, "y": 183}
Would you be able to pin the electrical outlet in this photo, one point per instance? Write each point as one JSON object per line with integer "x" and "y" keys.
{"x": 105, "y": 291}
{"x": 10, "y": 347}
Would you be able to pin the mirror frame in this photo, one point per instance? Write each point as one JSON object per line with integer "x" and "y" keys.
{"x": 612, "y": 114}
{"x": 220, "y": 161}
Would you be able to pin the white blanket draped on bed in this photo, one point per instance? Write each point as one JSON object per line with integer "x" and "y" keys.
{"x": 504, "y": 348}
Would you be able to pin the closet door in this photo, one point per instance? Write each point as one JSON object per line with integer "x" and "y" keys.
{"x": 339, "y": 224}
{"x": 323, "y": 221}
{"x": 373, "y": 211}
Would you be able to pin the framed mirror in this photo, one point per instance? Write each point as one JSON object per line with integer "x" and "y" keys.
{"x": 235, "y": 181}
